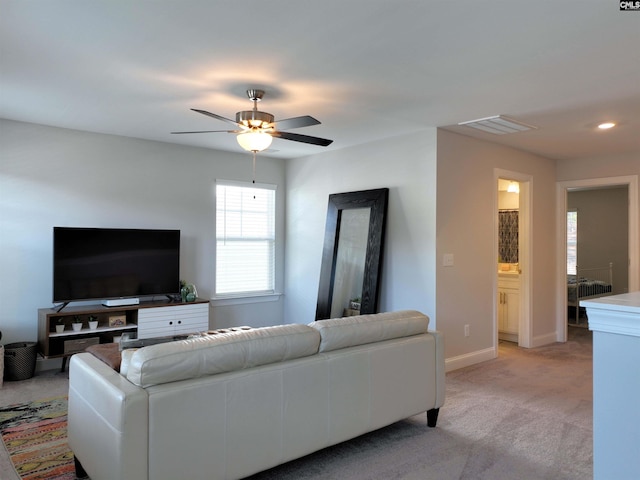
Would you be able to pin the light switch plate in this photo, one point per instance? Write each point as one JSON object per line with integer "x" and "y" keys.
{"x": 447, "y": 260}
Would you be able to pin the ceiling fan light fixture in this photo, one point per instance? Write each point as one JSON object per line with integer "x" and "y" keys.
{"x": 254, "y": 141}
{"x": 255, "y": 129}
{"x": 255, "y": 119}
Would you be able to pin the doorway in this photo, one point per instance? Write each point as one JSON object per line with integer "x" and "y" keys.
{"x": 562, "y": 192}
{"x": 512, "y": 272}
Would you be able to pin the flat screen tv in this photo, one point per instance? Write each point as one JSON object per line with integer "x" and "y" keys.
{"x": 108, "y": 263}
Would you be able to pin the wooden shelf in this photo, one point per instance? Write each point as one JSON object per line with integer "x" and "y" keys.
{"x": 84, "y": 331}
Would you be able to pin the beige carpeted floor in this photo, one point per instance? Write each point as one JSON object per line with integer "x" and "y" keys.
{"x": 525, "y": 415}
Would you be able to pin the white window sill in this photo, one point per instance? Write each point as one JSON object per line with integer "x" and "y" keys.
{"x": 240, "y": 300}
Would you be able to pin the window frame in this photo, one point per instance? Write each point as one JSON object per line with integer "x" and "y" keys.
{"x": 239, "y": 297}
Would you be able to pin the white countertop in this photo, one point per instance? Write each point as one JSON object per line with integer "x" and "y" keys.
{"x": 615, "y": 314}
{"x": 627, "y": 302}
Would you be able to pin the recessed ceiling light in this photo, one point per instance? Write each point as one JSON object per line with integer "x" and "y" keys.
{"x": 606, "y": 126}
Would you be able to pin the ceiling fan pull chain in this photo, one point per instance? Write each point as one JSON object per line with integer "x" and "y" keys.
{"x": 254, "y": 170}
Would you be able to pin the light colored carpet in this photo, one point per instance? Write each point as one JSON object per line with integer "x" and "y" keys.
{"x": 526, "y": 415}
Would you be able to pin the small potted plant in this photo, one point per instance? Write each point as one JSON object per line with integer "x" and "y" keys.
{"x": 192, "y": 293}
{"x": 93, "y": 322}
{"x": 76, "y": 324}
{"x": 188, "y": 292}
{"x": 60, "y": 325}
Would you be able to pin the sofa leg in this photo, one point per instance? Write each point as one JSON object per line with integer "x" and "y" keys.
{"x": 432, "y": 417}
{"x": 80, "y": 473}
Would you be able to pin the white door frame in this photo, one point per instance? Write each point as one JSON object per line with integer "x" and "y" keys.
{"x": 525, "y": 230}
{"x": 631, "y": 181}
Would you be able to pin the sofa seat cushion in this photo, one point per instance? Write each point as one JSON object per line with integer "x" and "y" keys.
{"x": 346, "y": 332}
{"x": 226, "y": 352}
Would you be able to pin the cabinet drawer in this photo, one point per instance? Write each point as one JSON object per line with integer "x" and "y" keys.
{"x": 513, "y": 283}
{"x": 79, "y": 344}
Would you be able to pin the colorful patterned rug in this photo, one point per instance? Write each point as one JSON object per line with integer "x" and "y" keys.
{"x": 35, "y": 435}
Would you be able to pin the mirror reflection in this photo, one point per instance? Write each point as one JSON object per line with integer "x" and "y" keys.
{"x": 350, "y": 258}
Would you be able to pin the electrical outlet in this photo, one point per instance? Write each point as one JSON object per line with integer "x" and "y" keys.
{"x": 466, "y": 330}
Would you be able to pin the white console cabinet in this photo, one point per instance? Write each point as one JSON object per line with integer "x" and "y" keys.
{"x": 508, "y": 306}
{"x": 173, "y": 320}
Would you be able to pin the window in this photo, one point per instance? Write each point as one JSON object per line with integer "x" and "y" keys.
{"x": 245, "y": 239}
{"x": 572, "y": 241}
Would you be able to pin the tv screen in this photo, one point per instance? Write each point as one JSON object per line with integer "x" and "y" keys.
{"x": 103, "y": 263}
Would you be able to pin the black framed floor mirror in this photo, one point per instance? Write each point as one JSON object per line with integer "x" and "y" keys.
{"x": 352, "y": 254}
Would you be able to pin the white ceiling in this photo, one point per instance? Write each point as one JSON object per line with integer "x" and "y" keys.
{"x": 367, "y": 69}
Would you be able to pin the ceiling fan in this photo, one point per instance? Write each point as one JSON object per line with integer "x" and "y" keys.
{"x": 255, "y": 129}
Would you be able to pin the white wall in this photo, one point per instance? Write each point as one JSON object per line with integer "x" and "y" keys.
{"x": 466, "y": 222}
{"x": 57, "y": 177}
{"x": 407, "y": 166}
{"x": 508, "y": 200}
{"x": 599, "y": 167}
{"x": 463, "y": 195}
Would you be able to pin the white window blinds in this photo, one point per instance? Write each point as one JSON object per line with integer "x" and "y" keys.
{"x": 572, "y": 241}
{"x": 245, "y": 238}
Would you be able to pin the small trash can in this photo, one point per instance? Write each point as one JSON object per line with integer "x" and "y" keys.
{"x": 1, "y": 363}
{"x": 19, "y": 360}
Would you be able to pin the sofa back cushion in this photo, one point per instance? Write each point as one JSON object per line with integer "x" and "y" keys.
{"x": 210, "y": 355}
{"x": 346, "y": 332}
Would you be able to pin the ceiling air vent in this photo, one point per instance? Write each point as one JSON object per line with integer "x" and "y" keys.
{"x": 498, "y": 125}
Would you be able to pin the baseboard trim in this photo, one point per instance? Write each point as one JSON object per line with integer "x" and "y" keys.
{"x": 468, "y": 359}
{"x": 543, "y": 340}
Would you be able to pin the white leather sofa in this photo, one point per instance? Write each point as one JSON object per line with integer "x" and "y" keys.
{"x": 227, "y": 406}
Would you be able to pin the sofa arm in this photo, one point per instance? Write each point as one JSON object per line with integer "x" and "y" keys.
{"x": 107, "y": 421}
{"x": 440, "y": 367}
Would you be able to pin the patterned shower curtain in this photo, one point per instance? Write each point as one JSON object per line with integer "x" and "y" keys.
{"x": 508, "y": 236}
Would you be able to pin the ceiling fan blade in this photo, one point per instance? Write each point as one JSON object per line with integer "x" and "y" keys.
{"x": 296, "y": 137}
{"x": 209, "y": 131}
{"x": 209, "y": 114}
{"x": 296, "y": 122}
